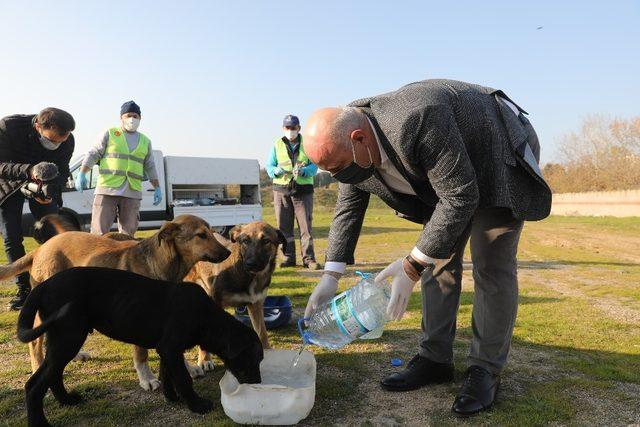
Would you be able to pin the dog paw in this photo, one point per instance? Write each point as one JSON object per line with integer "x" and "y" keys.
{"x": 200, "y": 405}
{"x": 150, "y": 384}
{"x": 146, "y": 379}
{"x": 72, "y": 399}
{"x": 194, "y": 370}
{"x": 82, "y": 356}
{"x": 40, "y": 422}
{"x": 207, "y": 365}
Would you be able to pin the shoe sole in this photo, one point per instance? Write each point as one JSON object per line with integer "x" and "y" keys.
{"x": 472, "y": 414}
{"x": 417, "y": 387}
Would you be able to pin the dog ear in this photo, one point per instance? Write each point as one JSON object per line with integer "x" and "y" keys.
{"x": 228, "y": 337}
{"x": 235, "y": 232}
{"x": 221, "y": 239}
{"x": 237, "y": 342}
{"x": 168, "y": 231}
{"x": 283, "y": 240}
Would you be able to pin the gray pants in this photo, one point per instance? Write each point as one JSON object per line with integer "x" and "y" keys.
{"x": 107, "y": 208}
{"x": 300, "y": 207}
{"x": 494, "y": 244}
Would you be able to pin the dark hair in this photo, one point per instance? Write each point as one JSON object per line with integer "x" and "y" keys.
{"x": 57, "y": 119}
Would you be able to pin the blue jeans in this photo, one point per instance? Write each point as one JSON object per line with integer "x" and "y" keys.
{"x": 11, "y": 227}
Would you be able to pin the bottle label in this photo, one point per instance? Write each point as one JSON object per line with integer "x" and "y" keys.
{"x": 345, "y": 316}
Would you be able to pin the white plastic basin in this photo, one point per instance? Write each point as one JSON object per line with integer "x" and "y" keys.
{"x": 273, "y": 404}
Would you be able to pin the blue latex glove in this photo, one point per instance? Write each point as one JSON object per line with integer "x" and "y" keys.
{"x": 301, "y": 172}
{"x": 81, "y": 181}
{"x": 157, "y": 196}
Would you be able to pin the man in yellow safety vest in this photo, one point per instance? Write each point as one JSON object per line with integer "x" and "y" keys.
{"x": 292, "y": 173}
{"x": 124, "y": 157}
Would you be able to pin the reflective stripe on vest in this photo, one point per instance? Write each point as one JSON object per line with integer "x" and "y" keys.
{"x": 119, "y": 164}
{"x": 284, "y": 162}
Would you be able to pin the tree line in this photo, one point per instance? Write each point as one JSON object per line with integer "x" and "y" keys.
{"x": 603, "y": 155}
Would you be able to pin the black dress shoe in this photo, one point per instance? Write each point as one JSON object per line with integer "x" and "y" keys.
{"x": 312, "y": 265}
{"x": 287, "y": 263}
{"x": 420, "y": 372}
{"x": 478, "y": 392}
{"x": 21, "y": 296}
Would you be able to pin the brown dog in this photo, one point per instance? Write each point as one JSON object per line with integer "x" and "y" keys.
{"x": 244, "y": 277}
{"x": 167, "y": 255}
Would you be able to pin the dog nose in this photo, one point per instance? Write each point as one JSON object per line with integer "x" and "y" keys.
{"x": 221, "y": 255}
{"x": 252, "y": 264}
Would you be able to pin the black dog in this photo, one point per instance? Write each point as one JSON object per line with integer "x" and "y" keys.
{"x": 170, "y": 317}
{"x": 51, "y": 225}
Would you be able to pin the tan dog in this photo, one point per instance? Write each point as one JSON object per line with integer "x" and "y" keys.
{"x": 167, "y": 255}
{"x": 244, "y": 277}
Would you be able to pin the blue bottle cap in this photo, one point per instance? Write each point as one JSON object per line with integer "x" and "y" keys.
{"x": 306, "y": 338}
{"x": 396, "y": 362}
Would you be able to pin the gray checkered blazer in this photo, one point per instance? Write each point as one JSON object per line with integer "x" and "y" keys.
{"x": 461, "y": 148}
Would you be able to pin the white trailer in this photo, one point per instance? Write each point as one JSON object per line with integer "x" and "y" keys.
{"x": 224, "y": 192}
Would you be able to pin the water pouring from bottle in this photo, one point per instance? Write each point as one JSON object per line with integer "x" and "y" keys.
{"x": 296, "y": 358}
{"x": 357, "y": 312}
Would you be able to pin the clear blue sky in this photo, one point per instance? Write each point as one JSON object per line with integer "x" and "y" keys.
{"x": 216, "y": 78}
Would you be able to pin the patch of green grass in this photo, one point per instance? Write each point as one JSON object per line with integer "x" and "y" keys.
{"x": 539, "y": 405}
{"x": 629, "y": 225}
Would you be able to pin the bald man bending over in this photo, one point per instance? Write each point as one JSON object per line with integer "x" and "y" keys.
{"x": 462, "y": 160}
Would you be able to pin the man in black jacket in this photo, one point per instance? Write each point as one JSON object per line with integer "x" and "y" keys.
{"x": 25, "y": 141}
{"x": 462, "y": 159}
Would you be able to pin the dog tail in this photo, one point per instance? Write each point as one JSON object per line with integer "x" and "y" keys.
{"x": 52, "y": 225}
{"x": 26, "y": 331}
{"x": 17, "y": 267}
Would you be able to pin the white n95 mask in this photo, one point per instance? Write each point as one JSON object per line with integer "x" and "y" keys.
{"x": 291, "y": 134}
{"x": 130, "y": 124}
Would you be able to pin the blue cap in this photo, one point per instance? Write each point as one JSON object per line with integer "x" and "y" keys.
{"x": 306, "y": 336}
{"x": 290, "y": 120}
{"x": 130, "y": 107}
{"x": 396, "y": 362}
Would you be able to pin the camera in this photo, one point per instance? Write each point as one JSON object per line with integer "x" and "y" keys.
{"x": 40, "y": 190}
{"x": 41, "y": 185}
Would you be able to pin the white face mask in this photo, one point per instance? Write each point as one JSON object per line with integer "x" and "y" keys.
{"x": 291, "y": 134}
{"x": 130, "y": 124}
{"x": 48, "y": 144}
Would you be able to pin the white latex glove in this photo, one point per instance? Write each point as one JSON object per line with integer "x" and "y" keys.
{"x": 401, "y": 288}
{"x": 322, "y": 293}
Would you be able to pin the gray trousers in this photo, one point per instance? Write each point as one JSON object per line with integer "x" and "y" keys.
{"x": 494, "y": 245}
{"x": 106, "y": 209}
{"x": 301, "y": 207}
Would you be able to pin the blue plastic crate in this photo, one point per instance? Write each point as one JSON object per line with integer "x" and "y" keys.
{"x": 277, "y": 312}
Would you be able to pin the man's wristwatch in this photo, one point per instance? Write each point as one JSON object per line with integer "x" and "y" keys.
{"x": 415, "y": 264}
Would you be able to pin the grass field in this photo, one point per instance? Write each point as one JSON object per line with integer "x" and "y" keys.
{"x": 575, "y": 357}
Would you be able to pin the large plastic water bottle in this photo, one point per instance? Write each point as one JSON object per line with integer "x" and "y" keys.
{"x": 350, "y": 315}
